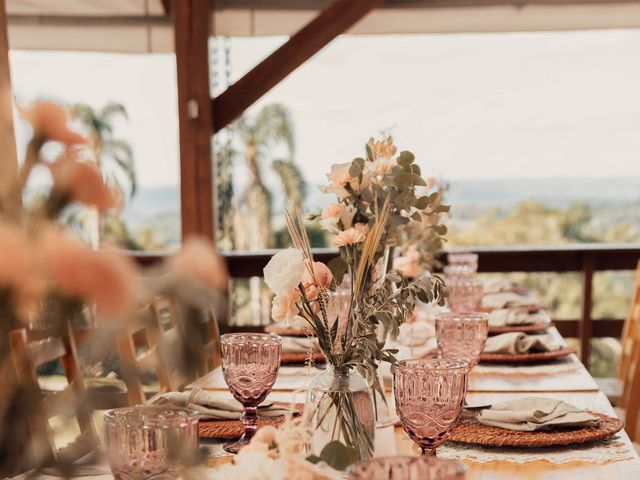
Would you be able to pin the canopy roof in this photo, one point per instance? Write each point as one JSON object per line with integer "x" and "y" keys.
{"x": 143, "y": 25}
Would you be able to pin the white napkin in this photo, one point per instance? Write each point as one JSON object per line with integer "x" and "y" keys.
{"x": 535, "y": 413}
{"x": 518, "y": 342}
{"x": 211, "y": 406}
{"x": 508, "y": 300}
{"x": 509, "y": 316}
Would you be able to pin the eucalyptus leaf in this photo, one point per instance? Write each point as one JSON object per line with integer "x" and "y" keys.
{"x": 338, "y": 267}
{"x": 406, "y": 158}
{"x": 423, "y": 202}
{"x": 337, "y": 455}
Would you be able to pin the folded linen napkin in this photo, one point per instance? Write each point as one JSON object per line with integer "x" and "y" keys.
{"x": 499, "y": 286}
{"x": 535, "y": 413}
{"x": 508, "y": 300}
{"x": 212, "y": 406}
{"x": 518, "y": 342}
{"x": 299, "y": 344}
{"x": 510, "y": 316}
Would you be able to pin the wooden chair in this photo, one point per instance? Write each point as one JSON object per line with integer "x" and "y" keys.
{"x": 613, "y": 387}
{"x": 200, "y": 332}
{"x": 161, "y": 345}
{"x": 70, "y": 402}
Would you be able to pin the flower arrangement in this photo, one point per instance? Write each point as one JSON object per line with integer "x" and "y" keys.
{"x": 376, "y": 198}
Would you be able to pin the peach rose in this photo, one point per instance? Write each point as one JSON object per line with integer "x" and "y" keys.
{"x": 350, "y": 236}
{"x": 49, "y": 121}
{"x": 83, "y": 183}
{"x": 106, "y": 277}
{"x": 284, "y": 308}
{"x": 18, "y": 269}
{"x": 363, "y": 228}
{"x": 199, "y": 261}
{"x": 321, "y": 275}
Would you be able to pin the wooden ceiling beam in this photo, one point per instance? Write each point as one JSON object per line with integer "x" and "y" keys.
{"x": 334, "y": 20}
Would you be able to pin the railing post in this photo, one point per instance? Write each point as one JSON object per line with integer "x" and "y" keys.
{"x": 585, "y": 329}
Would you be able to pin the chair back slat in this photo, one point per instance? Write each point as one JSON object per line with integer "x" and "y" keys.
{"x": 27, "y": 356}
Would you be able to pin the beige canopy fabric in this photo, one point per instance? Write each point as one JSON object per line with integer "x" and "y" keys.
{"x": 142, "y": 26}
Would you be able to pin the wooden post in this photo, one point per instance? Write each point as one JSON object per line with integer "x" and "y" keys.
{"x": 191, "y": 31}
{"x": 586, "y": 325}
{"x": 10, "y": 200}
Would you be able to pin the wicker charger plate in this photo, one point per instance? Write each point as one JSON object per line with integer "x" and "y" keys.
{"x": 526, "y": 308}
{"x": 230, "y": 429}
{"x": 288, "y": 331}
{"x": 301, "y": 357}
{"x": 525, "y": 357}
{"x": 530, "y": 328}
{"x": 468, "y": 430}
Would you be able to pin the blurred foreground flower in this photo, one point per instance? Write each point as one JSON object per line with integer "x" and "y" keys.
{"x": 105, "y": 277}
{"x": 199, "y": 261}
{"x": 82, "y": 182}
{"x": 50, "y": 122}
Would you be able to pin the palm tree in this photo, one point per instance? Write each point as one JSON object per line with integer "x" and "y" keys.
{"x": 114, "y": 158}
{"x": 114, "y": 155}
{"x": 265, "y": 140}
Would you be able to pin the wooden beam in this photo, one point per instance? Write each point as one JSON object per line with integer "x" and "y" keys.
{"x": 166, "y": 6}
{"x": 191, "y": 31}
{"x": 336, "y": 19}
{"x": 10, "y": 200}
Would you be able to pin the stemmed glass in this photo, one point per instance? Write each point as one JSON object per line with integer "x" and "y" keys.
{"x": 429, "y": 397}
{"x": 408, "y": 468}
{"x": 461, "y": 336}
{"x": 464, "y": 260}
{"x": 250, "y": 364}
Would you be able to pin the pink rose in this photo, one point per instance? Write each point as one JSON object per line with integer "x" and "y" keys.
{"x": 321, "y": 275}
{"x": 284, "y": 308}
{"x": 83, "y": 183}
{"x": 49, "y": 121}
{"x": 199, "y": 260}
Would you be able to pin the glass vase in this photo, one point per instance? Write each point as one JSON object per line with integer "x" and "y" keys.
{"x": 341, "y": 409}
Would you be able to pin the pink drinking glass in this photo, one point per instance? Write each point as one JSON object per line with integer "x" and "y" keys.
{"x": 464, "y": 260}
{"x": 465, "y": 294}
{"x": 461, "y": 336}
{"x": 408, "y": 468}
{"x": 250, "y": 363}
{"x": 429, "y": 396}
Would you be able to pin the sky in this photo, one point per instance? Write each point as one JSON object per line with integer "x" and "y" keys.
{"x": 480, "y": 106}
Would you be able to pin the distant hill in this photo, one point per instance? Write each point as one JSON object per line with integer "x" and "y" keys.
{"x": 159, "y": 207}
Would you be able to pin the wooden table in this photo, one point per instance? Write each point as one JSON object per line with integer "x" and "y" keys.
{"x": 574, "y": 384}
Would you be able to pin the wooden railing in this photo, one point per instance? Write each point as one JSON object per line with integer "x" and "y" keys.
{"x": 584, "y": 258}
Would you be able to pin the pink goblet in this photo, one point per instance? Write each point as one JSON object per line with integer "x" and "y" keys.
{"x": 464, "y": 260}
{"x": 250, "y": 364}
{"x": 465, "y": 294}
{"x": 429, "y": 397}
{"x": 461, "y": 336}
{"x": 408, "y": 468}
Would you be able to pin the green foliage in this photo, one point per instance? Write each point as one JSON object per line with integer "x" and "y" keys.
{"x": 337, "y": 455}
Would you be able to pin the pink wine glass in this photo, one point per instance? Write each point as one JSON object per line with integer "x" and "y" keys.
{"x": 250, "y": 364}
{"x": 429, "y": 397}
{"x": 461, "y": 336}
{"x": 408, "y": 468}
{"x": 463, "y": 260}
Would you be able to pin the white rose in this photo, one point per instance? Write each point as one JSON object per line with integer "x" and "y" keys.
{"x": 284, "y": 271}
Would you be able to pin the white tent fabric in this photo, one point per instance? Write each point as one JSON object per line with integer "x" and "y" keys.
{"x": 141, "y": 26}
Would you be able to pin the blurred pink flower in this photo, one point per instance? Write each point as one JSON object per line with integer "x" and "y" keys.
{"x": 49, "y": 121}
{"x": 350, "y": 236}
{"x": 106, "y": 277}
{"x": 18, "y": 269}
{"x": 83, "y": 182}
{"x": 283, "y": 308}
{"x": 198, "y": 260}
{"x": 334, "y": 211}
